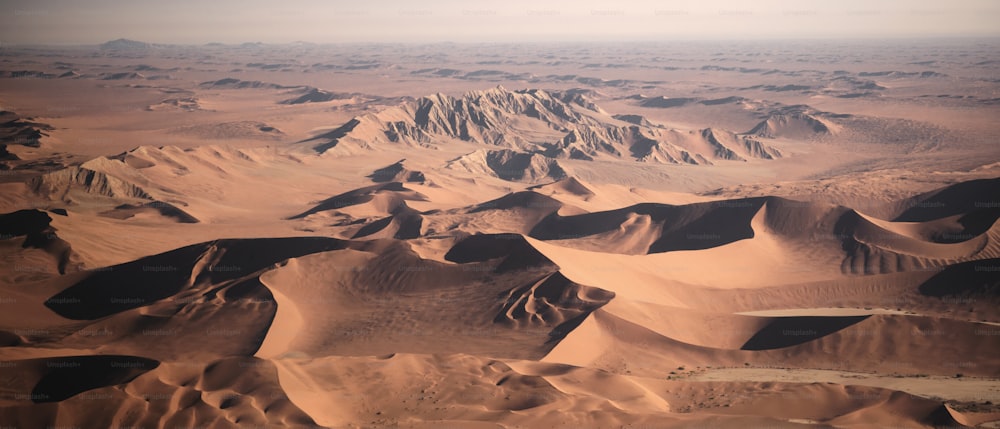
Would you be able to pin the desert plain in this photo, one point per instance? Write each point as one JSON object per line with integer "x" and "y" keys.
{"x": 745, "y": 234}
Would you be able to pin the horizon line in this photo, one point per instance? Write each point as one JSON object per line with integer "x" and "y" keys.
{"x": 638, "y": 40}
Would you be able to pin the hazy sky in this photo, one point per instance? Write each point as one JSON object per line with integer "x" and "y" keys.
{"x": 229, "y": 21}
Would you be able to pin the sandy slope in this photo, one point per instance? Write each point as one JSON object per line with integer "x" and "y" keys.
{"x": 609, "y": 307}
{"x": 499, "y": 296}
{"x": 513, "y": 393}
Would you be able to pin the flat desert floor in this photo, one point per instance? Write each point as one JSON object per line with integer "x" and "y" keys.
{"x": 678, "y": 235}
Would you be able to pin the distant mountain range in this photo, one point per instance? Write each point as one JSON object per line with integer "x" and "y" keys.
{"x": 537, "y": 127}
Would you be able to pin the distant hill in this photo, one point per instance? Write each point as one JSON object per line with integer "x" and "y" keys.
{"x": 125, "y": 45}
{"x": 534, "y": 127}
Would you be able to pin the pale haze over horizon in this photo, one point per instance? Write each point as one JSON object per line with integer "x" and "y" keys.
{"x": 231, "y": 21}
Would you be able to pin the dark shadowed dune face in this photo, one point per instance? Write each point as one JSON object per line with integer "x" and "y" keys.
{"x": 141, "y": 282}
{"x": 977, "y": 280}
{"x": 72, "y": 376}
{"x": 396, "y": 172}
{"x": 789, "y": 331}
{"x": 23, "y": 222}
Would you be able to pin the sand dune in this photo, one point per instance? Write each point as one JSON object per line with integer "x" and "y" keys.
{"x": 127, "y": 211}
{"x": 664, "y": 102}
{"x": 231, "y": 131}
{"x": 403, "y": 223}
{"x": 967, "y": 279}
{"x": 795, "y": 123}
{"x": 504, "y": 296}
{"x": 953, "y": 200}
{"x": 35, "y": 228}
{"x": 214, "y": 282}
{"x": 316, "y": 95}
{"x": 21, "y": 131}
{"x": 229, "y": 392}
{"x": 56, "y": 379}
{"x": 570, "y": 185}
{"x": 57, "y": 185}
{"x": 234, "y": 83}
{"x": 689, "y": 228}
{"x": 613, "y": 343}
{"x": 383, "y": 198}
{"x": 396, "y": 172}
{"x": 510, "y": 312}
{"x": 168, "y": 274}
{"x": 122, "y": 76}
{"x": 514, "y": 212}
{"x": 878, "y": 246}
{"x": 187, "y": 104}
{"x": 509, "y": 165}
{"x": 547, "y": 389}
